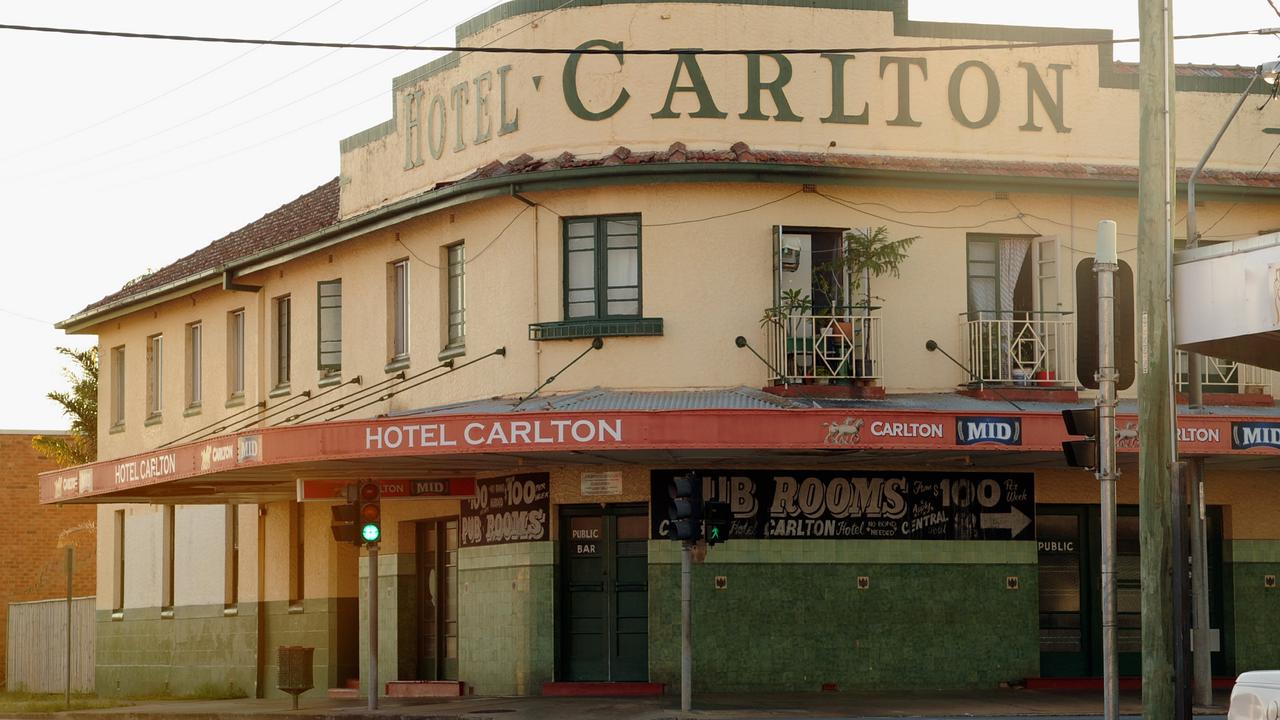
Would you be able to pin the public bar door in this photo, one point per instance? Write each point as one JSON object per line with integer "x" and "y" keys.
{"x": 604, "y": 593}
{"x": 1068, "y": 539}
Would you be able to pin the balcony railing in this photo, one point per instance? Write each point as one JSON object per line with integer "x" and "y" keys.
{"x": 836, "y": 346}
{"x": 1226, "y": 376}
{"x": 1018, "y": 347}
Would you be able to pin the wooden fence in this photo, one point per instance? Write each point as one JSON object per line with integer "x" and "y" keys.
{"x": 37, "y": 646}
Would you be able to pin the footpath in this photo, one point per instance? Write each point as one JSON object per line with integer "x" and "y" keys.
{"x": 972, "y": 704}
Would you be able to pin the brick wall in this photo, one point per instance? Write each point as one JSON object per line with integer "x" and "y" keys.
{"x": 31, "y": 561}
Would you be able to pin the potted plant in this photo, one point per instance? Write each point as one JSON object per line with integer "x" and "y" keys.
{"x": 866, "y": 253}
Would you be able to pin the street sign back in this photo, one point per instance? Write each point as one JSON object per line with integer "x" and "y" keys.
{"x": 1087, "y": 325}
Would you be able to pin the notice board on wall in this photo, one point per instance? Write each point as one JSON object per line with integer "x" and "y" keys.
{"x": 865, "y": 505}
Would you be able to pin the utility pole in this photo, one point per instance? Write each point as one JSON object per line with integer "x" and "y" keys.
{"x": 1155, "y": 402}
{"x": 1105, "y": 264}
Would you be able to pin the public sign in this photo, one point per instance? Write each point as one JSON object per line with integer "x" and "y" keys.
{"x": 508, "y": 510}
{"x": 862, "y": 505}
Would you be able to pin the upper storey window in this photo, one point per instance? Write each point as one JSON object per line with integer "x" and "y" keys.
{"x": 117, "y": 387}
{"x": 235, "y": 354}
{"x": 602, "y": 267}
{"x": 155, "y": 376}
{"x": 329, "y": 344}
{"x": 456, "y": 271}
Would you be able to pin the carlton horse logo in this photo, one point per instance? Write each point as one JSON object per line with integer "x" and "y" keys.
{"x": 846, "y": 432}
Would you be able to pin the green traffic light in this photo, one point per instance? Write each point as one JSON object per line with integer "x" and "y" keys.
{"x": 370, "y": 532}
{"x": 715, "y": 533}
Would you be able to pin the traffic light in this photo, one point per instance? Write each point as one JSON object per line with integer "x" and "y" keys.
{"x": 369, "y": 511}
{"x": 344, "y": 523}
{"x": 719, "y": 518}
{"x": 1081, "y": 453}
{"x": 685, "y": 511}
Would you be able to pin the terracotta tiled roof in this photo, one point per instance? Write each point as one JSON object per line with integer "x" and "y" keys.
{"x": 318, "y": 209}
{"x": 1189, "y": 70}
{"x": 313, "y": 211}
{"x": 741, "y": 153}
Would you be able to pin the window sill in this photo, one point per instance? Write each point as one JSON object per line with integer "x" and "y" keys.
{"x": 117, "y": 615}
{"x": 279, "y": 391}
{"x": 230, "y": 611}
{"x": 612, "y": 327}
{"x": 191, "y": 411}
{"x": 397, "y": 364}
{"x": 452, "y": 351}
{"x": 235, "y": 400}
{"x": 329, "y": 380}
{"x": 116, "y": 429}
{"x": 153, "y": 420}
{"x": 166, "y": 613}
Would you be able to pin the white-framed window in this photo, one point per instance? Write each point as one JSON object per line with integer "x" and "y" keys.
{"x": 456, "y": 304}
{"x": 195, "y": 364}
{"x": 329, "y": 336}
{"x": 117, "y": 386}
{"x": 398, "y": 312}
{"x": 235, "y": 353}
{"x": 155, "y": 375}
{"x": 282, "y": 341}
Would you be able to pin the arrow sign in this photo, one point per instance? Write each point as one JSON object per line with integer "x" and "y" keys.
{"x": 1015, "y": 521}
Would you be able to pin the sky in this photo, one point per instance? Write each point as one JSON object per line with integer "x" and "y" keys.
{"x": 120, "y": 156}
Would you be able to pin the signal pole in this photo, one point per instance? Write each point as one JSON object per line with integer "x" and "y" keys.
{"x": 1157, "y": 453}
{"x": 686, "y": 626}
{"x": 373, "y": 626}
{"x": 1105, "y": 264}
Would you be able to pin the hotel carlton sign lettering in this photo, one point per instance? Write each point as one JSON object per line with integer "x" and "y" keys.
{"x": 474, "y": 110}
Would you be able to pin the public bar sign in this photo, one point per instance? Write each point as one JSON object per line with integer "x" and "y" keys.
{"x": 863, "y": 505}
{"x": 509, "y": 509}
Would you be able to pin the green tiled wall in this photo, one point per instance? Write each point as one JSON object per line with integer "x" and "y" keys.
{"x": 1255, "y": 609}
{"x": 936, "y": 615}
{"x": 397, "y": 618}
{"x": 197, "y": 650}
{"x": 327, "y": 624}
{"x": 506, "y": 618}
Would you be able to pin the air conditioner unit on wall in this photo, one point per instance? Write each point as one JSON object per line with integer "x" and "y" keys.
{"x": 790, "y": 258}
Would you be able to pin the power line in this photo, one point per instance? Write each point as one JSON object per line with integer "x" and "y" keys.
{"x": 25, "y": 317}
{"x": 621, "y": 51}
{"x": 206, "y": 113}
{"x": 172, "y": 90}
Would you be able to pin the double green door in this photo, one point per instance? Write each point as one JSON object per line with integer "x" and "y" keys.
{"x": 604, "y": 600}
{"x": 1070, "y": 581}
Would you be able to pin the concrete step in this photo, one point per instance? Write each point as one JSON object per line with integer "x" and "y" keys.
{"x": 425, "y": 688}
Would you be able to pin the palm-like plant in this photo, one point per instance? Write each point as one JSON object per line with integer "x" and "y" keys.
{"x": 80, "y": 445}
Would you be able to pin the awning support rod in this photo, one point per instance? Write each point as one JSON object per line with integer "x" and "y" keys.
{"x": 398, "y": 390}
{"x": 596, "y": 344}
{"x": 932, "y": 345}
{"x": 257, "y": 407}
{"x": 341, "y": 402}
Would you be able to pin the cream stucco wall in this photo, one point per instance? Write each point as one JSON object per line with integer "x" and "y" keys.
{"x": 708, "y": 277}
{"x": 1098, "y": 123}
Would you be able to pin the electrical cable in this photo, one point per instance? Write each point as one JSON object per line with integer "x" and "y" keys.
{"x": 25, "y": 317}
{"x": 716, "y": 217}
{"x": 170, "y": 91}
{"x": 207, "y": 112}
{"x": 1204, "y": 235}
{"x": 851, "y": 206}
{"x": 619, "y": 51}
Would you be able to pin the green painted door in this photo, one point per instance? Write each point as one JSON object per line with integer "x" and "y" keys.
{"x": 1069, "y": 540}
{"x": 604, "y": 593}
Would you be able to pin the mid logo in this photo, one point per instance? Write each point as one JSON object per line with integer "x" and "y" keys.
{"x": 1000, "y": 430}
